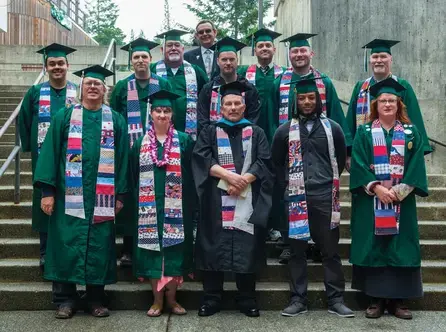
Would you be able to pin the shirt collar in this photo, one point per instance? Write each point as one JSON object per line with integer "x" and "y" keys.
{"x": 204, "y": 49}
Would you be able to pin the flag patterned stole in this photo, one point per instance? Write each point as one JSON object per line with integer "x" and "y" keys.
{"x": 251, "y": 73}
{"x": 284, "y": 92}
{"x": 104, "y": 209}
{"x": 388, "y": 173}
{"x": 298, "y": 212}
{"x": 191, "y": 95}
{"x": 363, "y": 103}
{"x": 173, "y": 228}
{"x": 134, "y": 119}
{"x": 236, "y": 211}
{"x": 44, "y": 116}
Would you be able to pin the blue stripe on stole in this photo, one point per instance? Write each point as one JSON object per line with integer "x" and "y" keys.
{"x": 73, "y": 205}
{"x": 223, "y": 142}
{"x": 385, "y": 213}
{"x": 382, "y": 177}
{"x": 45, "y": 92}
{"x": 133, "y": 120}
{"x": 228, "y": 208}
{"x": 296, "y": 198}
{"x": 105, "y": 179}
{"x": 381, "y": 159}
{"x": 173, "y": 221}
{"x": 298, "y": 230}
{"x": 399, "y": 135}
{"x": 44, "y": 117}
{"x": 73, "y": 182}
{"x": 148, "y": 204}
{"x": 106, "y": 161}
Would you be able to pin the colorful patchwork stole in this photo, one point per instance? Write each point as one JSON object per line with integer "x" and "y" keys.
{"x": 44, "y": 116}
{"x": 284, "y": 91}
{"x": 298, "y": 212}
{"x": 251, "y": 73}
{"x": 173, "y": 229}
{"x": 134, "y": 120}
{"x": 363, "y": 103}
{"x": 191, "y": 95}
{"x": 236, "y": 211}
{"x": 390, "y": 174}
{"x": 104, "y": 209}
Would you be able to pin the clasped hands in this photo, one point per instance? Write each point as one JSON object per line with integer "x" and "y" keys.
{"x": 385, "y": 195}
{"x": 237, "y": 183}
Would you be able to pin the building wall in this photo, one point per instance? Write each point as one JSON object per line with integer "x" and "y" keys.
{"x": 30, "y": 23}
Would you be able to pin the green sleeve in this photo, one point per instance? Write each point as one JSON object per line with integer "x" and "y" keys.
{"x": 361, "y": 174}
{"x": 415, "y": 167}
{"x": 336, "y": 112}
{"x": 414, "y": 113}
{"x": 121, "y": 154}
{"x": 202, "y": 77}
{"x": 351, "y": 113}
{"x": 241, "y": 70}
{"x": 49, "y": 159}
{"x": 26, "y": 120}
{"x": 153, "y": 67}
{"x": 165, "y": 84}
{"x": 115, "y": 102}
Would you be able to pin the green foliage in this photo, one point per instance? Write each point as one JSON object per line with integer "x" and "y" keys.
{"x": 234, "y": 18}
{"x": 101, "y": 21}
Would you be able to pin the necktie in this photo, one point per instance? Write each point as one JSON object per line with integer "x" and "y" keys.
{"x": 208, "y": 62}
{"x": 264, "y": 69}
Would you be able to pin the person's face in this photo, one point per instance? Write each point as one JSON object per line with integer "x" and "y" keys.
{"x": 93, "y": 89}
{"x": 265, "y": 50}
{"x": 232, "y": 108}
{"x": 161, "y": 116}
{"x": 141, "y": 61}
{"x": 227, "y": 61}
{"x": 57, "y": 67}
{"x": 381, "y": 63}
{"x": 306, "y": 103}
{"x": 174, "y": 51}
{"x": 206, "y": 35}
{"x": 387, "y": 105}
{"x": 300, "y": 56}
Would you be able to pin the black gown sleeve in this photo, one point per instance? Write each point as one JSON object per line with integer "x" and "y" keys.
{"x": 252, "y": 101}
{"x": 340, "y": 147}
{"x": 203, "y": 107}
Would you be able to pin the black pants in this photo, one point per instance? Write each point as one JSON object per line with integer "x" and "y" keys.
{"x": 213, "y": 289}
{"x": 319, "y": 215}
{"x": 66, "y": 294}
{"x": 127, "y": 245}
{"x": 43, "y": 240}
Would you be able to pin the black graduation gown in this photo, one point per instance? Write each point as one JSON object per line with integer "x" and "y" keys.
{"x": 218, "y": 249}
{"x": 252, "y": 101}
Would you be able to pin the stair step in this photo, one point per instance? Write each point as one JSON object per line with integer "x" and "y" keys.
{"x": 25, "y": 163}
{"x": 270, "y": 296}
{"x": 6, "y": 149}
{"x": 8, "y": 178}
{"x": 7, "y": 193}
{"x": 10, "y": 99}
{"x": 29, "y": 248}
{"x": 13, "y": 94}
{"x": 8, "y": 107}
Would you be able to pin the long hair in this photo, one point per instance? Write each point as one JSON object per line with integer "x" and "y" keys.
{"x": 295, "y": 110}
{"x": 401, "y": 113}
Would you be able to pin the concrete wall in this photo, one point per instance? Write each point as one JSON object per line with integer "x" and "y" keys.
{"x": 344, "y": 26}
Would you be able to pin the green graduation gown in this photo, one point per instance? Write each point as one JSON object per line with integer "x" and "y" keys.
{"x": 28, "y": 121}
{"x": 118, "y": 102}
{"x": 178, "y": 259}
{"x": 264, "y": 84}
{"x": 78, "y": 251}
{"x": 367, "y": 249}
{"x": 178, "y": 84}
{"x": 334, "y": 109}
{"x": 409, "y": 99}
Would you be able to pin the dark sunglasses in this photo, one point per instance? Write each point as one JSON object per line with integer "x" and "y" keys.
{"x": 202, "y": 32}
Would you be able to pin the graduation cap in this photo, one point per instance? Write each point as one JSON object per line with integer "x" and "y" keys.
{"x": 139, "y": 45}
{"x": 305, "y": 85}
{"x": 55, "y": 51}
{"x": 378, "y": 46}
{"x": 389, "y": 85}
{"x": 162, "y": 98}
{"x": 299, "y": 39}
{"x": 95, "y": 71}
{"x": 233, "y": 88}
{"x": 227, "y": 44}
{"x": 173, "y": 34}
{"x": 262, "y": 35}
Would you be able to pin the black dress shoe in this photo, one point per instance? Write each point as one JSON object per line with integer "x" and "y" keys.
{"x": 42, "y": 264}
{"x": 207, "y": 310}
{"x": 253, "y": 312}
{"x": 125, "y": 260}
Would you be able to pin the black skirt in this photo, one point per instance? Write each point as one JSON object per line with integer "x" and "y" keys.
{"x": 388, "y": 282}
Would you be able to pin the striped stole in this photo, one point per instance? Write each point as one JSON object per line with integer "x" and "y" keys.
{"x": 173, "y": 228}
{"x": 251, "y": 73}
{"x": 236, "y": 211}
{"x": 104, "y": 209}
{"x": 388, "y": 173}
{"x": 44, "y": 115}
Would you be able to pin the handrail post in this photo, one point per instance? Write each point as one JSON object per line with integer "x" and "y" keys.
{"x": 17, "y": 164}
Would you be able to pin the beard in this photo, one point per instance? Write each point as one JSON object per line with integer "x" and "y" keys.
{"x": 174, "y": 57}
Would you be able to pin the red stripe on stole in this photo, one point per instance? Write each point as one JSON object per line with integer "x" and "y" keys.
{"x": 228, "y": 215}
{"x": 145, "y": 199}
{"x": 173, "y": 168}
{"x": 297, "y": 217}
{"x": 104, "y": 189}
{"x": 398, "y": 142}
{"x": 229, "y": 166}
{"x": 380, "y": 150}
{"x": 74, "y": 142}
{"x": 44, "y": 102}
{"x": 385, "y": 222}
{"x": 175, "y": 155}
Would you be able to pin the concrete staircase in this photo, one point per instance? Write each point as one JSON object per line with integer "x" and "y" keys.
{"x": 22, "y": 286}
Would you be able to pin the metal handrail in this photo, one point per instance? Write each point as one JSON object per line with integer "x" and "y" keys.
{"x": 429, "y": 138}
{"x": 15, "y": 153}
{"x": 112, "y": 65}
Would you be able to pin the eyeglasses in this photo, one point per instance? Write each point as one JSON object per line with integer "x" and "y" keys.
{"x": 202, "y": 32}
{"x": 91, "y": 84}
{"x": 387, "y": 101}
